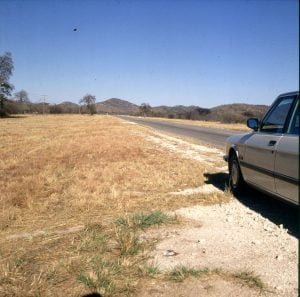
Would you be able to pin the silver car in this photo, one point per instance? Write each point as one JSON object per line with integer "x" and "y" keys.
{"x": 268, "y": 157}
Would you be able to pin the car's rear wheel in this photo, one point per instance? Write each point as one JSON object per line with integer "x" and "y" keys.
{"x": 236, "y": 181}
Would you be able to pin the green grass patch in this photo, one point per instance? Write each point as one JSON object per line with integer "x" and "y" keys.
{"x": 150, "y": 270}
{"x": 115, "y": 277}
{"x": 86, "y": 280}
{"x": 103, "y": 276}
{"x": 93, "y": 239}
{"x": 145, "y": 220}
{"x": 180, "y": 273}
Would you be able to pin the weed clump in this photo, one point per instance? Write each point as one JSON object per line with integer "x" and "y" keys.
{"x": 127, "y": 242}
{"x": 251, "y": 280}
{"x": 150, "y": 270}
{"x": 180, "y": 273}
{"x": 145, "y": 220}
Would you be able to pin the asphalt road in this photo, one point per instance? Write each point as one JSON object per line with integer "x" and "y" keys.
{"x": 212, "y": 136}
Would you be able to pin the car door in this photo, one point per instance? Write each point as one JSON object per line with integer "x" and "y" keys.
{"x": 286, "y": 170}
{"x": 258, "y": 160}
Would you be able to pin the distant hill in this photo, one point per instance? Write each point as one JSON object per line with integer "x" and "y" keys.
{"x": 64, "y": 107}
{"x": 237, "y": 112}
{"x": 68, "y": 103}
{"x": 117, "y": 106}
{"x": 230, "y": 113}
{"x": 177, "y": 109}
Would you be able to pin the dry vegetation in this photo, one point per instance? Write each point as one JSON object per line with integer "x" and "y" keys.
{"x": 65, "y": 181}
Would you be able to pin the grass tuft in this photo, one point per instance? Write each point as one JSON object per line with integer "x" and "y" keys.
{"x": 150, "y": 270}
{"x": 145, "y": 220}
{"x": 92, "y": 239}
{"x": 103, "y": 276}
{"x": 250, "y": 279}
{"x": 180, "y": 273}
{"x": 127, "y": 242}
{"x": 86, "y": 280}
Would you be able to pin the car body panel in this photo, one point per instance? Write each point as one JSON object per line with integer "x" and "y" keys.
{"x": 258, "y": 160}
{"x": 286, "y": 169}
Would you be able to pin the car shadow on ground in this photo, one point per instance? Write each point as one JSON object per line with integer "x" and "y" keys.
{"x": 277, "y": 211}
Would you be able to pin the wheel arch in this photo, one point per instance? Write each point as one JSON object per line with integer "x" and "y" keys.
{"x": 233, "y": 151}
{"x": 240, "y": 183}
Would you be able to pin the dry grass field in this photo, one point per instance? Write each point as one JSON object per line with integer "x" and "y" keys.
{"x": 76, "y": 191}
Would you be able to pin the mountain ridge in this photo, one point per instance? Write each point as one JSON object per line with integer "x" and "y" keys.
{"x": 235, "y": 112}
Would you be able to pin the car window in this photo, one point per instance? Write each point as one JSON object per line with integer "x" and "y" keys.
{"x": 275, "y": 120}
{"x": 294, "y": 124}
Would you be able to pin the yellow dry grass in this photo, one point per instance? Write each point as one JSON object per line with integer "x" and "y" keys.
{"x": 62, "y": 171}
{"x": 208, "y": 124}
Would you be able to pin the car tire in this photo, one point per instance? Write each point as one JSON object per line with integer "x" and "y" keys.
{"x": 236, "y": 181}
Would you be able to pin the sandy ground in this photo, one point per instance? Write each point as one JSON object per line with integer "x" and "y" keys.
{"x": 230, "y": 237}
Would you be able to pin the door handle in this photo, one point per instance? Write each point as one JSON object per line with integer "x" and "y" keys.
{"x": 272, "y": 142}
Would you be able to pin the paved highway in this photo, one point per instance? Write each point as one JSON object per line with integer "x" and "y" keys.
{"x": 212, "y": 136}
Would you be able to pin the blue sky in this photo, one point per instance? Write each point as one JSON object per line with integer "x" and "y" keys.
{"x": 166, "y": 52}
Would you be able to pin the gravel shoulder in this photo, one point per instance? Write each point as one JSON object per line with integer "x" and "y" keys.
{"x": 233, "y": 238}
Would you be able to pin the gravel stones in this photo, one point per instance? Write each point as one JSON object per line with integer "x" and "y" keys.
{"x": 234, "y": 238}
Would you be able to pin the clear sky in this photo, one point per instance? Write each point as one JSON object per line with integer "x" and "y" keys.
{"x": 163, "y": 52}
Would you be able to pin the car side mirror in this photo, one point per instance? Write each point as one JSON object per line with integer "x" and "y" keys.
{"x": 253, "y": 124}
